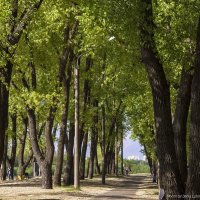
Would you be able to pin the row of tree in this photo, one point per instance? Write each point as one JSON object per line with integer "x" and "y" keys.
{"x": 100, "y": 47}
{"x": 46, "y": 49}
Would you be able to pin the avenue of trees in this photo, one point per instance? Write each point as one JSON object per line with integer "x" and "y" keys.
{"x": 74, "y": 73}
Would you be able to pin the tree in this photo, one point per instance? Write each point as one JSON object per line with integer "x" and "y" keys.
{"x": 17, "y": 24}
{"x": 193, "y": 176}
{"x": 162, "y": 108}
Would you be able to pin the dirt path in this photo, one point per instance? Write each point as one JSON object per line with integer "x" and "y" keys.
{"x": 131, "y": 187}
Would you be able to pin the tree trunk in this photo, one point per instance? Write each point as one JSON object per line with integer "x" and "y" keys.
{"x": 63, "y": 129}
{"x": 180, "y": 122}
{"x": 149, "y": 159}
{"x": 193, "y": 181}
{"x": 84, "y": 134}
{"x": 103, "y": 177}
{"x": 22, "y": 142}
{"x": 12, "y": 158}
{"x": 46, "y": 175}
{"x": 5, "y": 73}
{"x": 77, "y": 125}
{"x": 96, "y": 164}
{"x": 4, "y": 163}
{"x": 83, "y": 155}
{"x": 68, "y": 169}
{"x": 116, "y": 150}
{"x": 22, "y": 164}
{"x": 122, "y": 153}
{"x": 66, "y": 60}
{"x": 94, "y": 135}
{"x": 161, "y": 102}
{"x": 45, "y": 162}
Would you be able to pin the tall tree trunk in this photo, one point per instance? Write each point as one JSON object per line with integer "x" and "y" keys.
{"x": 193, "y": 181}
{"x": 4, "y": 163}
{"x": 113, "y": 163}
{"x": 103, "y": 177}
{"x": 12, "y": 158}
{"x": 116, "y": 150}
{"x": 94, "y": 135}
{"x": 161, "y": 102}
{"x": 83, "y": 155}
{"x": 47, "y": 163}
{"x": 149, "y": 159}
{"x": 68, "y": 169}
{"x": 63, "y": 129}
{"x": 77, "y": 125}
{"x": 84, "y": 134}
{"x": 180, "y": 122}
{"x": 5, "y": 73}
{"x": 22, "y": 143}
{"x": 66, "y": 59}
{"x": 44, "y": 161}
{"x": 122, "y": 153}
{"x": 96, "y": 164}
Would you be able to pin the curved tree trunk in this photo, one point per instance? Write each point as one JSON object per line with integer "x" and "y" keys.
{"x": 44, "y": 161}
{"x": 169, "y": 170}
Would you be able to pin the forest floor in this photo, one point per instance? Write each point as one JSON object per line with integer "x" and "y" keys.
{"x": 137, "y": 186}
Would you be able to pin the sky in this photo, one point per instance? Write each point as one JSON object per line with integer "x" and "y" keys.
{"x": 132, "y": 148}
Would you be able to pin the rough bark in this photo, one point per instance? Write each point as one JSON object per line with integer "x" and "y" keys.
{"x": 161, "y": 102}
{"x": 180, "y": 122}
{"x": 193, "y": 181}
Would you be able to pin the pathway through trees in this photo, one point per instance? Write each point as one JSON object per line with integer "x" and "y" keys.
{"x": 131, "y": 187}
